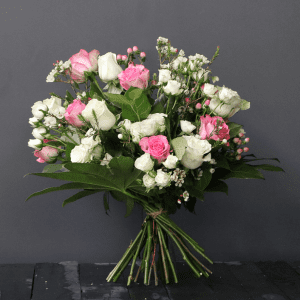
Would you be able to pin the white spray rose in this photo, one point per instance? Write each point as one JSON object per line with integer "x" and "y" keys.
{"x": 197, "y": 60}
{"x": 59, "y": 112}
{"x": 107, "y": 158}
{"x": 193, "y": 156}
{"x": 148, "y": 181}
{"x": 148, "y": 127}
{"x": 80, "y": 154}
{"x": 35, "y": 143}
{"x": 135, "y": 131}
{"x": 209, "y": 89}
{"x": 164, "y": 76}
{"x": 52, "y": 103}
{"x": 50, "y": 121}
{"x": 105, "y": 118}
{"x": 162, "y": 178}
{"x": 36, "y": 109}
{"x": 144, "y": 163}
{"x": 37, "y": 132}
{"x": 178, "y": 61}
{"x": 108, "y": 67}
{"x": 173, "y": 87}
{"x": 187, "y": 126}
{"x": 32, "y": 121}
{"x": 170, "y": 162}
{"x": 160, "y": 120}
{"x": 126, "y": 123}
{"x": 94, "y": 145}
{"x": 201, "y": 73}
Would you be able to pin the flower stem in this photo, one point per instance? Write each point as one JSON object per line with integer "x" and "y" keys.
{"x": 160, "y": 236}
{"x": 149, "y": 242}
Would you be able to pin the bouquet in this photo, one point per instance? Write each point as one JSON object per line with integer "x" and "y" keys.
{"x": 159, "y": 143}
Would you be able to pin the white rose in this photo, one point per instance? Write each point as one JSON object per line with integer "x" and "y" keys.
{"x": 173, "y": 87}
{"x": 162, "y": 178}
{"x": 108, "y": 67}
{"x": 144, "y": 163}
{"x": 32, "y": 121}
{"x": 197, "y": 57}
{"x": 90, "y": 132}
{"x": 126, "y": 123}
{"x": 193, "y": 156}
{"x": 36, "y": 109}
{"x": 50, "y": 121}
{"x": 209, "y": 89}
{"x": 149, "y": 127}
{"x": 148, "y": 181}
{"x": 222, "y": 109}
{"x": 135, "y": 131}
{"x": 170, "y": 162}
{"x": 37, "y": 132}
{"x": 201, "y": 73}
{"x": 164, "y": 76}
{"x": 178, "y": 61}
{"x": 105, "y": 118}
{"x": 107, "y": 158}
{"x": 80, "y": 154}
{"x": 53, "y": 103}
{"x": 90, "y": 141}
{"x": 35, "y": 143}
{"x": 225, "y": 94}
{"x": 59, "y": 112}
{"x": 160, "y": 120}
{"x": 187, "y": 126}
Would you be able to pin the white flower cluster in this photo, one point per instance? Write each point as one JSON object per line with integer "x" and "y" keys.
{"x": 185, "y": 196}
{"x": 59, "y": 68}
{"x": 178, "y": 176}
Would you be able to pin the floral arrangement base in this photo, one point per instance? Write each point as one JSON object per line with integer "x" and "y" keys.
{"x": 154, "y": 232}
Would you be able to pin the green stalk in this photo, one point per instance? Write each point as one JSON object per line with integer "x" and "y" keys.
{"x": 163, "y": 255}
{"x": 99, "y": 88}
{"x": 135, "y": 256}
{"x": 148, "y": 252}
{"x": 168, "y": 255}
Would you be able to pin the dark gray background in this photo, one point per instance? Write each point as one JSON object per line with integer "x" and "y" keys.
{"x": 259, "y": 58}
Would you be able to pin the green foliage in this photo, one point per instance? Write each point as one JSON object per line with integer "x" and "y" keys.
{"x": 158, "y": 108}
{"x": 51, "y": 168}
{"x": 69, "y": 97}
{"x": 217, "y": 185}
{"x": 69, "y": 148}
{"x": 243, "y": 171}
{"x": 179, "y": 145}
{"x": 234, "y": 129}
{"x": 79, "y": 195}
{"x": 268, "y": 167}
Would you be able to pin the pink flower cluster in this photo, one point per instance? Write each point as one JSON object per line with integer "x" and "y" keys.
{"x": 46, "y": 154}
{"x": 157, "y": 145}
{"x": 72, "y": 112}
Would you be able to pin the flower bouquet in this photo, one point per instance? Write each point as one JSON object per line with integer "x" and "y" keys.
{"x": 160, "y": 154}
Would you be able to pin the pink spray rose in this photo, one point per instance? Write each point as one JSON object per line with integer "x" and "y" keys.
{"x": 136, "y": 76}
{"x": 46, "y": 154}
{"x": 72, "y": 111}
{"x": 157, "y": 146}
{"x": 213, "y": 128}
{"x": 83, "y": 61}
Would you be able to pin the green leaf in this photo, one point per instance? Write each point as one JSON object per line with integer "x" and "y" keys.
{"x": 129, "y": 206}
{"x": 69, "y": 148}
{"x": 51, "y": 168}
{"x": 268, "y": 167}
{"x": 66, "y": 186}
{"x": 168, "y": 127}
{"x": 222, "y": 163}
{"x": 234, "y": 129}
{"x": 179, "y": 145}
{"x": 119, "y": 196}
{"x": 157, "y": 108}
{"x": 94, "y": 91}
{"x": 79, "y": 195}
{"x": 244, "y": 171}
{"x": 246, "y": 160}
{"x": 217, "y": 186}
{"x": 69, "y": 97}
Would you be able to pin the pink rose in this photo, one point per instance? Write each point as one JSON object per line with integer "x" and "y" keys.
{"x": 83, "y": 61}
{"x": 46, "y": 154}
{"x": 136, "y": 76}
{"x": 157, "y": 146}
{"x": 213, "y": 128}
{"x": 73, "y": 110}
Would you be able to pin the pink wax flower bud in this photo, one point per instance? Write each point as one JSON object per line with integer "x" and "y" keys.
{"x": 129, "y": 50}
{"x": 246, "y": 149}
{"x": 53, "y": 64}
{"x": 238, "y": 157}
{"x": 198, "y": 105}
{"x": 239, "y": 151}
{"x": 241, "y": 134}
{"x": 119, "y": 56}
{"x": 124, "y": 57}
{"x": 176, "y": 50}
{"x": 179, "y": 201}
{"x": 247, "y": 140}
{"x": 135, "y": 48}
{"x": 202, "y": 87}
{"x": 193, "y": 89}
{"x": 227, "y": 144}
{"x": 143, "y": 54}
{"x": 236, "y": 140}
{"x": 153, "y": 82}
{"x": 207, "y": 102}
{"x": 239, "y": 142}
{"x": 57, "y": 61}
{"x": 187, "y": 100}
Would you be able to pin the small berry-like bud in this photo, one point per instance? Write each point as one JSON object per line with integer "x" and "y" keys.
{"x": 198, "y": 106}
{"x": 227, "y": 144}
{"x": 212, "y": 170}
{"x": 241, "y": 134}
{"x": 246, "y": 149}
{"x": 135, "y": 48}
{"x": 143, "y": 54}
{"x": 129, "y": 50}
{"x": 124, "y": 57}
{"x": 179, "y": 201}
{"x": 239, "y": 142}
{"x": 153, "y": 82}
{"x": 120, "y": 136}
{"x": 207, "y": 102}
{"x": 239, "y": 151}
{"x": 119, "y": 56}
{"x": 202, "y": 87}
{"x": 247, "y": 140}
{"x": 238, "y": 157}
{"x": 176, "y": 50}
{"x": 187, "y": 100}
{"x": 236, "y": 140}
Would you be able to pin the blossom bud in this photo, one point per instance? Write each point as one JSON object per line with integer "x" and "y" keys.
{"x": 119, "y": 56}
{"x": 135, "y": 48}
{"x": 239, "y": 142}
{"x": 247, "y": 140}
{"x": 207, "y": 102}
{"x": 239, "y": 151}
{"x": 120, "y": 136}
{"x": 227, "y": 144}
{"x": 129, "y": 50}
{"x": 212, "y": 170}
{"x": 236, "y": 140}
{"x": 187, "y": 100}
{"x": 202, "y": 87}
{"x": 238, "y": 157}
{"x": 143, "y": 54}
{"x": 124, "y": 57}
{"x": 198, "y": 106}
{"x": 153, "y": 82}
{"x": 241, "y": 134}
{"x": 246, "y": 149}
{"x": 178, "y": 201}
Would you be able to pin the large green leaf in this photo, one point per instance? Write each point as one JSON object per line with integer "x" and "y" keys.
{"x": 179, "y": 145}
{"x": 217, "y": 186}
{"x": 66, "y": 186}
{"x": 234, "y": 129}
{"x": 79, "y": 195}
{"x": 129, "y": 206}
{"x": 255, "y": 159}
{"x": 268, "y": 167}
{"x": 51, "y": 168}
{"x": 222, "y": 163}
{"x": 243, "y": 171}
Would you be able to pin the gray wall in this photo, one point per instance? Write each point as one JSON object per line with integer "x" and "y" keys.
{"x": 259, "y": 58}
